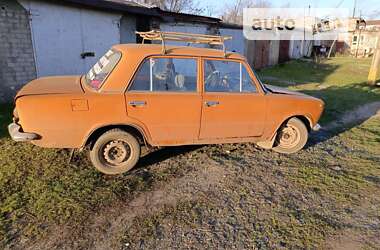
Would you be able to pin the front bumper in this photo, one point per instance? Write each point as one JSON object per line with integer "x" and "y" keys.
{"x": 317, "y": 127}
{"x": 15, "y": 132}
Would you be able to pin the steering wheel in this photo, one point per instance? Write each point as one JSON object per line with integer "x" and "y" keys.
{"x": 214, "y": 75}
{"x": 230, "y": 80}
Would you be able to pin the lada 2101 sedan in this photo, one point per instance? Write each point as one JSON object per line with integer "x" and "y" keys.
{"x": 137, "y": 95}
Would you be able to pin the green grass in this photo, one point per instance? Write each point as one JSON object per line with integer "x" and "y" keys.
{"x": 340, "y": 82}
{"x": 5, "y": 118}
{"x": 335, "y": 71}
{"x": 38, "y": 188}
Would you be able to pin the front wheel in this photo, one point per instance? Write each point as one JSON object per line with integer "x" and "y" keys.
{"x": 115, "y": 152}
{"x": 291, "y": 137}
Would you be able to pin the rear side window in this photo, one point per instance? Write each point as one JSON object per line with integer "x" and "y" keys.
{"x": 227, "y": 76}
{"x": 99, "y": 72}
{"x": 166, "y": 74}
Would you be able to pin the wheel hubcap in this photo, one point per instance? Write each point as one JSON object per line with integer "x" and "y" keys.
{"x": 289, "y": 136}
{"x": 116, "y": 152}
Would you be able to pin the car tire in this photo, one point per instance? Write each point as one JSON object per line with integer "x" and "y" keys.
{"x": 291, "y": 137}
{"x": 115, "y": 152}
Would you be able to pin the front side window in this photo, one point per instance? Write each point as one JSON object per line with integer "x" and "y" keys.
{"x": 99, "y": 72}
{"x": 227, "y": 76}
{"x": 166, "y": 74}
{"x": 247, "y": 84}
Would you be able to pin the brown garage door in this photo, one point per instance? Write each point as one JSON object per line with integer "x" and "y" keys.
{"x": 261, "y": 58}
{"x": 284, "y": 51}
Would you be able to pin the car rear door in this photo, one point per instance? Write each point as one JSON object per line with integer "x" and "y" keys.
{"x": 233, "y": 105}
{"x": 164, "y": 97}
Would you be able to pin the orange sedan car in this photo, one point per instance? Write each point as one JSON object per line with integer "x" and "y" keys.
{"x": 136, "y": 96}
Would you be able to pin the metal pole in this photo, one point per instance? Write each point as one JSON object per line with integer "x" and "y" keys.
{"x": 359, "y": 38}
{"x": 358, "y": 44}
{"x": 332, "y": 45}
{"x": 375, "y": 65}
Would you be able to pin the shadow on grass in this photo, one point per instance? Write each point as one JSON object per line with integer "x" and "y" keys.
{"x": 163, "y": 154}
{"x": 5, "y": 118}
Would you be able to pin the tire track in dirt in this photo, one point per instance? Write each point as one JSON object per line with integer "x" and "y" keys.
{"x": 104, "y": 227}
{"x": 359, "y": 114}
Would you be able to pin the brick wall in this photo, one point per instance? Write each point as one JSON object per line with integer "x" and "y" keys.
{"x": 17, "y": 65}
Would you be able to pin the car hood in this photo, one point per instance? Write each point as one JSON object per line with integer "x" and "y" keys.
{"x": 279, "y": 90}
{"x": 52, "y": 85}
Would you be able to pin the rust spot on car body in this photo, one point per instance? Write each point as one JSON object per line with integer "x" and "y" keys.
{"x": 79, "y": 105}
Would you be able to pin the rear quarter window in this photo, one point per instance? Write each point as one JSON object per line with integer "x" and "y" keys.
{"x": 97, "y": 75}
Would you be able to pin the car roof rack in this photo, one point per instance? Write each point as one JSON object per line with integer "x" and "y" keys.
{"x": 163, "y": 36}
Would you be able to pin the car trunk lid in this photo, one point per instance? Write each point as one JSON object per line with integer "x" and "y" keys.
{"x": 52, "y": 85}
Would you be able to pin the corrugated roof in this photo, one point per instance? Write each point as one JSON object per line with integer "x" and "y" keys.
{"x": 372, "y": 22}
{"x": 142, "y": 9}
{"x": 231, "y": 26}
{"x": 115, "y": 5}
{"x": 131, "y": 3}
{"x": 174, "y": 16}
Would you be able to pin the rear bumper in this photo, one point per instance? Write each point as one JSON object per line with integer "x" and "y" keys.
{"x": 15, "y": 132}
{"x": 317, "y": 127}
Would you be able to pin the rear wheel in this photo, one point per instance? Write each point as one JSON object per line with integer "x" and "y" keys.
{"x": 291, "y": 137}
{"x": 115, "y": 152}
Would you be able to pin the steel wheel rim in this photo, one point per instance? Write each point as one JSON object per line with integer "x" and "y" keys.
{"x": 289, "y": 136}
{"x": 116, "y": 152}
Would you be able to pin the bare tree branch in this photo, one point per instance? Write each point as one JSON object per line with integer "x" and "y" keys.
{"x": 233, "y": 12}
{"x": 185, "y": 6}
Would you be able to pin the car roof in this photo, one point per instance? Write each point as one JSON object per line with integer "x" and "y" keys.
{"x": 156, "y": 49}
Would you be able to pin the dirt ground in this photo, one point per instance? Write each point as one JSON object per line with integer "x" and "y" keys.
{"x": 241, "y": 197}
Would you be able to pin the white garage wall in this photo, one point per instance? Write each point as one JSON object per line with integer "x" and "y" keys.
{"x": 299, "y": 48}
{"x": 274, "y": 50}
{"x": 184, "y": 28}
{"x": 128, "y": 29}
{"x": 238, "y": 41}
{"x": 61, "y": 33}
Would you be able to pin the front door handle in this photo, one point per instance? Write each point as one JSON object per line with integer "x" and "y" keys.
{"x": 137, "y": 103}
{"x": 211, "y": 103}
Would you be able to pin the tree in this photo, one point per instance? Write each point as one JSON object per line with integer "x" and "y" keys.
{"x": 233, "y": 12}
{"x": 184, "y": 6}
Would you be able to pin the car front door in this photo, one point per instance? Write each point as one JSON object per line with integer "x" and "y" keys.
{"x": 232, "y": 105}
{"x": 164, "y": 97}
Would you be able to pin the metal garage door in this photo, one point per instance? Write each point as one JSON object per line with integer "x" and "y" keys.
{"x": 61, "y": 34}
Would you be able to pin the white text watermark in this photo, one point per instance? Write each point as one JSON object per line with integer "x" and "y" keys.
{"x": 295, "y": 23}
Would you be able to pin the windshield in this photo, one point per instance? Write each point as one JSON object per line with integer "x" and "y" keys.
{"x": 99, "y": 72}
{"x": 260, "y": 82}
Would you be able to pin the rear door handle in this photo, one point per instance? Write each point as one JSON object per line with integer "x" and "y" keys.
{"x": 211, "y": 103}
{"x": 137, "y": 103}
